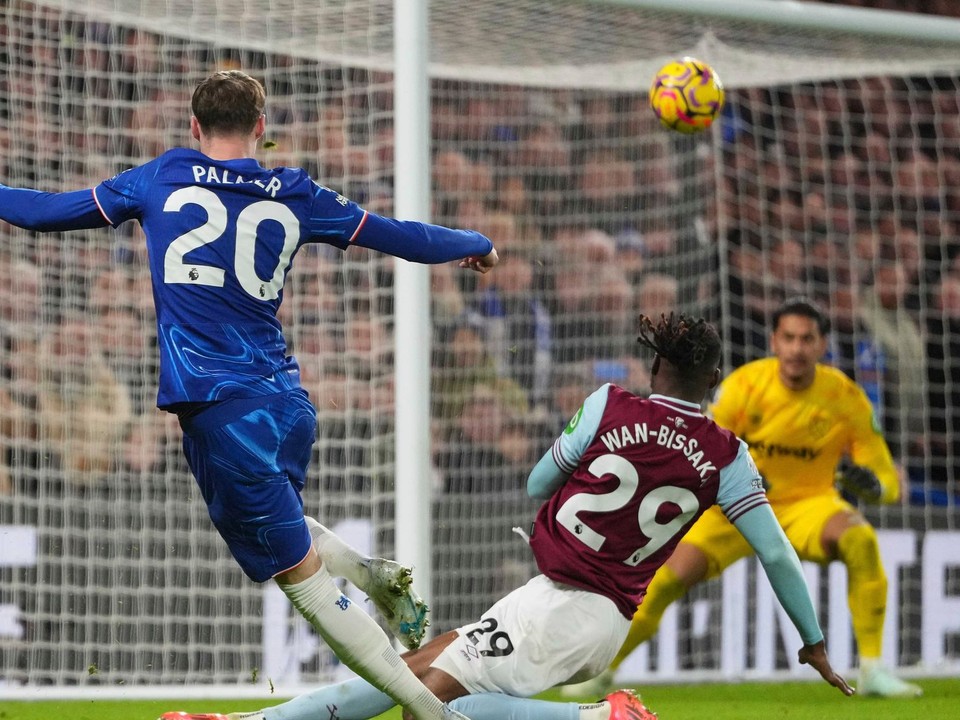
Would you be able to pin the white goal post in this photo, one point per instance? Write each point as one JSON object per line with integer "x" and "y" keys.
{"x": 833, "y": 172}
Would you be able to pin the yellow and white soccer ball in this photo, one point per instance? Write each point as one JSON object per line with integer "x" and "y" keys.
{"x": 686, "y": 95}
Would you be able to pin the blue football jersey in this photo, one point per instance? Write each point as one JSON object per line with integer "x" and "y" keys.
{"x": 220, "y": 237}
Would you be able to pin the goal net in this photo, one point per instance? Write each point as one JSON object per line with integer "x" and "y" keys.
{"x": 833, "y": 172}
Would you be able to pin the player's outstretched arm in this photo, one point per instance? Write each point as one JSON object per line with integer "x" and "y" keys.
{"x": 482, "y": 264}
{"x": 816, "y": 657}
{"x": 760, "y": 528}
{"x": 424, "y": 242}
{"x": 50, "y": 212}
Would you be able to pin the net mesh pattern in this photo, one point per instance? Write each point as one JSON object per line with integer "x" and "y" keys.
{"x": 833, "y": 172}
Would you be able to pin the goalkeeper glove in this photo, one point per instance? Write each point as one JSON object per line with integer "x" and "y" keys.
{"x": 859, "y": 481}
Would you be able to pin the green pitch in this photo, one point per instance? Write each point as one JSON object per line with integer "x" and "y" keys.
{"x": 748, "y": 701}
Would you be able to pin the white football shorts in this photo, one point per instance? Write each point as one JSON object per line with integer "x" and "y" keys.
{"x": 540, "y": 635}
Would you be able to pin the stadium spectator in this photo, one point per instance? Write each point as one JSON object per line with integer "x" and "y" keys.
{"x": 590, "y": 319}
{"x": 943, "y": 375}
{"x": 608, "y": 189}
{"x": 517, "y": 327}
{"x": 657, "y": 294}
{"x": 885, "y": 317}
{"x": 544, "y": 158}
{"x": 491, "y": 668}
{"x": 746, "y": 299}
{"x": 84, "y": 409}
{"x": 126, "y": 338}
{"x": 451, "y": 170}
{"x": 22, "y": 328}
{"x": 569, "y": 384}
{"x": 470, "y": 462}
{"x": 808, "y": 427}
{"x": 259, "y": 409}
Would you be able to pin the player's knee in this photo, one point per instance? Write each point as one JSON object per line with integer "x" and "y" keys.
{"x": 688, "y": 566}
{"x": 441, "y": 684}
{"x": 667, "y": 586}
{"x": 859, "y": 550}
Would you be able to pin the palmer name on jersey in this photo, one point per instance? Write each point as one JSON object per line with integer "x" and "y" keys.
{"x": 222, "y": 176}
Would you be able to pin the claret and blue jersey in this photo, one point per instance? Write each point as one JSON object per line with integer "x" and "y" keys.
{"x": 220, "y": 237}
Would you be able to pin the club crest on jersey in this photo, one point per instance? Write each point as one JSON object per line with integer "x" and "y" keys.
{"x": 819, "y": 426}
{"x": 572, "y": 425}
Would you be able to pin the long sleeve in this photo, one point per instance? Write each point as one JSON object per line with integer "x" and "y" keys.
{"x": 420, "y": 242}
{"x": 780, "y": 562}
{"x": 870, "y": 449}
{"x": 50, "y": 212}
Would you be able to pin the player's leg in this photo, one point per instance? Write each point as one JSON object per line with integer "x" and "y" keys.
{"x": 521, "y": 650}
{"x": 358, "y": 700}
{"x": 250, "y": 462}
{"x": 824, "y": 528}
{"x": 353, "y": 699}
{"x": 512, "y": 661}
{"x": 619, "y": 705}
{"x": 355, "y": 637}
{"x": 513, "y": 648}
{"x": 711, "y": 545}
{"x": 387, "y": 583}
{"x": 849, "y": 537}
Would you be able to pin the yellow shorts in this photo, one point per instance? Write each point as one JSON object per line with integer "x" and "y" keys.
{"x": 802, "y": 521}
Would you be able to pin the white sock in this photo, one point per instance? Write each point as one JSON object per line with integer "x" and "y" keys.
{"x": 360, "y": 643}
{"x": 341, "y": 559}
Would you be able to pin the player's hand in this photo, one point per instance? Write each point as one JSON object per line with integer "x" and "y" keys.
{"x": 859, "y": 481}
{"x": 481, "y": 264}
{"x": 816, "y": 657}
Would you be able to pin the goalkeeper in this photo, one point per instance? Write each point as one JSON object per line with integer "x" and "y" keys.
{"x": 802, "y": 420}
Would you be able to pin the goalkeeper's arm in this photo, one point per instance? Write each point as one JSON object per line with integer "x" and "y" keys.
{"x": 859, "y": 481}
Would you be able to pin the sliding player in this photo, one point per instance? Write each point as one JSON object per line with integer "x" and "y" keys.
{"x": 621, "y": 485}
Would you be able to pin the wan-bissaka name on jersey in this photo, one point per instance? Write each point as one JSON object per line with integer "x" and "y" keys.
{"x": 663, "y": 435}
{"x": 651, "y": 468}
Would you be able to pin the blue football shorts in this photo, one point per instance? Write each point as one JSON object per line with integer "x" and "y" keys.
{"x": 249, "y": 457}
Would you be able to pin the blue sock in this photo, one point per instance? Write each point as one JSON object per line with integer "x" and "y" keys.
{"x": 494, "y": 706}
{"x": 354, "y": 699}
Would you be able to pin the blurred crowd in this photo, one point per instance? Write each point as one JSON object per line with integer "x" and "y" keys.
{"x": 931, "y": 7}
{"x": 845, "y": 191}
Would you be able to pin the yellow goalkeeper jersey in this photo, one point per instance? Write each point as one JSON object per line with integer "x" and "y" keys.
{"x": 798, "y": 437}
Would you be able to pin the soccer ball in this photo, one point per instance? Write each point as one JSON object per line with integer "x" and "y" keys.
{"x": 686, "y": 95}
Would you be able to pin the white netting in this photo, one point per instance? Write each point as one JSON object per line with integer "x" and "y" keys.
{"x": 565, "y": 43}
{"x": 835, "y": 163}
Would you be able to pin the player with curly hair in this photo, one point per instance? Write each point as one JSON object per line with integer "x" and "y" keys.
{"x": 621, "y": 486}
{"x": 808, "y": 427}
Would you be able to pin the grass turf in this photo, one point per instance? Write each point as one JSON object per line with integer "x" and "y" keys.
{"x": 746, "y": 701}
